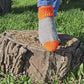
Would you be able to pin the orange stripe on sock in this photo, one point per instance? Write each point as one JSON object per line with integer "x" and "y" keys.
{"x": 51, "y": 45}
{"x": 45, "y": 11}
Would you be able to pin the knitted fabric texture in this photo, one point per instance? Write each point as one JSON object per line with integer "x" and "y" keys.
{"x": 45, "y": 11}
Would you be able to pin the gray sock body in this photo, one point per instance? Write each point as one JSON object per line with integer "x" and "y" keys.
{"x": 47, "y": 30}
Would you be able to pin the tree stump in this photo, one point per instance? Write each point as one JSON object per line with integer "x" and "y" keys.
{"x": 22, "y": 53}
{"x": 5, "y": 6}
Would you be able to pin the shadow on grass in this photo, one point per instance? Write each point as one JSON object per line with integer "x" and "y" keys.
{"x": 25, "y": 8}
{"x": 81, "y": 37}
{"x": 63, "y": 7}
{"x": 72, "y": 5}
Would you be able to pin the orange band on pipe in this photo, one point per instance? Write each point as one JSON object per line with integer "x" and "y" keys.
{"x": 45, "y": 11}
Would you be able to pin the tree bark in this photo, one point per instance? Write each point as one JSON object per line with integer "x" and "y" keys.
{"x": 22, "y": 53}
{"x": 5, "y": 6}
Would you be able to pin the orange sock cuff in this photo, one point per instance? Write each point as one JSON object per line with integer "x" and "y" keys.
{"x": 45, "y": 11}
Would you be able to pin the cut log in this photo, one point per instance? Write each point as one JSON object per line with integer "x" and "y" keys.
{"x": 22, "y": 53}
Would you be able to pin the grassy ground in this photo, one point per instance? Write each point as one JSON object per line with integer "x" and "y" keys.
{"x": 23, "y": 16}
{"x": 70, "y": 18}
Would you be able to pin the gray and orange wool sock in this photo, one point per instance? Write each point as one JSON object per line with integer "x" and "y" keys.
{"x": 47, "y": 30}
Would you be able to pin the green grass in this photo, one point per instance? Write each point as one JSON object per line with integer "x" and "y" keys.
{"x": 70, "y": 19}
{"x": 23, "y": 16}
{"x": 8, "y": 79}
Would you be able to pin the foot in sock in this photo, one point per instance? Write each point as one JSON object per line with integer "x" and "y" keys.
{"x": 47, "y": 33}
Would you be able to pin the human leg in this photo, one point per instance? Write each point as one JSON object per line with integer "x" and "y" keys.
{"x": 47, "y": 30}
{"x": 56, "y": 4}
